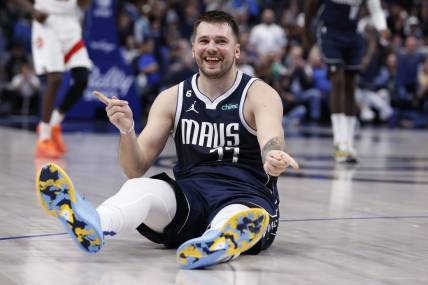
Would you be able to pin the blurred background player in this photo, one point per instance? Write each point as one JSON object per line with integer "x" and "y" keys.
{"x": 57, "y": 45}
{"x": 343, "y": 50}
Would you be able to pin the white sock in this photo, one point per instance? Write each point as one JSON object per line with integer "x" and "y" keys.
{"x": 338, "y": 127}
{"x": 225, "y": 214}
{"x": 56, "y": 118}
{"x": 140, "y": 200}
{"x": 44, "y": 131}
{"x": 351, "y": 123}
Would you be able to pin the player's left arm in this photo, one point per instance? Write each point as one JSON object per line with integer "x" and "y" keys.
{"x": 84, "y": 4}
{"x": 264, "y": 112}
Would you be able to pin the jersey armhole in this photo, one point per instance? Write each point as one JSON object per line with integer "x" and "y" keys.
{"x": 178, "y": 107}
{"x": 241, "y": 108}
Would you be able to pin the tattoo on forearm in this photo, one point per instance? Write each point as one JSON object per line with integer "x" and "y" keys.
{"x": 276, "y": 143}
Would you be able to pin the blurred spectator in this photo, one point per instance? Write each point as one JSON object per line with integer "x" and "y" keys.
{"x": 26, "y": 86}
{"x": 191, "y": 12}
{"x": 130, "y": 50}
{"x": 16, "y": 57}
{"x": 423, "y": 16}
{"x": 293, "y": 24}
{"x": 242, "y": 19}
{"x": 301, "y": 83}
{"x": 368, "y": 99}
{"x": 180, "y": 64}
{"x": 244, "y": 64}
{"x": 148, "y": 78}
{"x": 320, "y": 79}
{"x": 142, "y": 25}
{"x": 125, "y": 27}
{"x": 412, "y": 28}
{"x": 396, "y": 18}
{"x": 422, "y": 94}
{"x": 319, "y": 72}
{"x": 294, "y": 111}
{"x": 213, "y": 5}
{"x": 407, "y": 70}
{"x": 268, "y": 38}
{"x": 250, "y": 50}
{"x": 386, "y": 78}
{"x": 251, "y": 8}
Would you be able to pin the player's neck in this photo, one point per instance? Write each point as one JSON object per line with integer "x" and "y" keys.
{"x": 215, "y": 87}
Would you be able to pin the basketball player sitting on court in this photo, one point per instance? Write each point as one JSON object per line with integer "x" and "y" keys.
{"x": 230, "y": 146}
{"x": 57, "y": 45}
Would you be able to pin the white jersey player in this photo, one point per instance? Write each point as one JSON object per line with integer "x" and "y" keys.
{"x": 57, "y": 42}
{"x": 57, "y": 45}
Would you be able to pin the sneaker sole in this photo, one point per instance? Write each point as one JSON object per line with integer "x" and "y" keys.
{"x": 351, "y": 160}
{"x": 346, "y": 160}
{"x": 240, "y": 233}
{"x": 58, "y": 197}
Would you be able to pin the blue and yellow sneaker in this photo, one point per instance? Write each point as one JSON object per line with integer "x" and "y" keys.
{"x": 238, "y": 234}
{"x": 59, "y": 198}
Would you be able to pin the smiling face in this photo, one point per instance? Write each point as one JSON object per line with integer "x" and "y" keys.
{"x": 215, "y": 49}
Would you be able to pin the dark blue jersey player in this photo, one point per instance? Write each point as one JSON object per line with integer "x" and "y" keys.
{"x": 334, "y": 22}
{"x": 230, "y": 147}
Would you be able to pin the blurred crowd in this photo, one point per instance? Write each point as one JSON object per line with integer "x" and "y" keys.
{"x": 155, "y": 41}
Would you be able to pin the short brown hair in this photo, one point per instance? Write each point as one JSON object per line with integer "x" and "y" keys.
{"x": 217, "y": 17}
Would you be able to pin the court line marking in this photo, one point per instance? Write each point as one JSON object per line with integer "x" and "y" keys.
{"x": 31, "y": 236}
{"x": 280, "y": 220}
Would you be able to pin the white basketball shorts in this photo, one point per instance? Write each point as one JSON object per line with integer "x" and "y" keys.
{"x": 57, "y": 45}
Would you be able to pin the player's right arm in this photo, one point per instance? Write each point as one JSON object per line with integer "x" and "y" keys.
{"x": 137, "y": 154}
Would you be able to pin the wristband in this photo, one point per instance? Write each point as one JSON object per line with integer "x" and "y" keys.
{"x": 128, "y": 131}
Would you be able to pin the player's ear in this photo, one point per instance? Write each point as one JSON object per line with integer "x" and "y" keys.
{"x": 237, "y": 51}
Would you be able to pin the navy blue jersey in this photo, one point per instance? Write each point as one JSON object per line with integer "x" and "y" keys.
{"x": 219, "y": 164}
{"x": 340, "y": 14}
{"x": 212, "y": 137}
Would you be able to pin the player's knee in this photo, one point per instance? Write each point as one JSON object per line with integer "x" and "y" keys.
{"x": 80, "y": 77}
